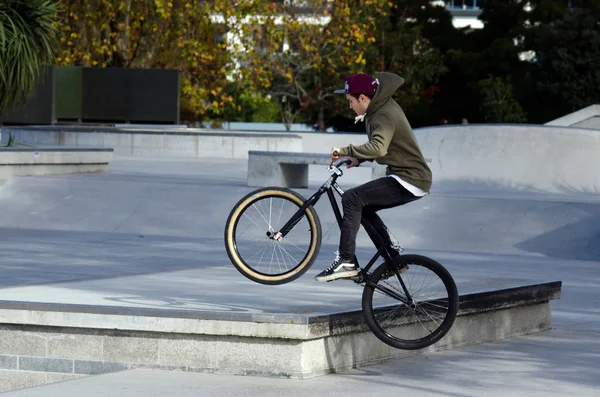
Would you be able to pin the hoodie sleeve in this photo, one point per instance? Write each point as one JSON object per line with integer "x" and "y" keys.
{"x": 381, "y": 136}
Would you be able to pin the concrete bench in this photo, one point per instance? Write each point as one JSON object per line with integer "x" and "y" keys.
{"x": 290, "y": 169}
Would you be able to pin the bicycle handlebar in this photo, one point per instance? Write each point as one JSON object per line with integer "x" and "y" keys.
{"x": 341, "y": 161}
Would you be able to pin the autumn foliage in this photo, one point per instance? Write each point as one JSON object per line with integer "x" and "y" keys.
{"x": 176, "y": 34}
{"x": 296, "y": 52}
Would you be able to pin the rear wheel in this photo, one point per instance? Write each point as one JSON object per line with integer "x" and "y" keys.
{"x": 416, "y": 321}
{"x": 250, "y": 229}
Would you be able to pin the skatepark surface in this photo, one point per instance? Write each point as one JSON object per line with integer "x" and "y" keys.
{"x": 149, "y": 234}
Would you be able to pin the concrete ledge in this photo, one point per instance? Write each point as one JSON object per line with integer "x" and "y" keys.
{"x": 83, "y": 340}
{"x": 159, "y": 142}
{"x": 21, "y": 161}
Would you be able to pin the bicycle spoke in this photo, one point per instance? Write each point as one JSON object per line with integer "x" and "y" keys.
{"x": 270, "y": 208}
{"x": 424, "y": 314}
{"x": 262, "y": 216}
{"x": 284, "y": 250}
{"x": 263, "y": 253}
{"x": 252, "y": 220}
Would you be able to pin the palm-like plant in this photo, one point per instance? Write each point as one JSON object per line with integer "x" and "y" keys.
{"x": 29, "y": 39}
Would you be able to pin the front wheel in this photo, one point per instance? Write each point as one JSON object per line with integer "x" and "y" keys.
{"x": 411, "y": 304}
{"x": 249, "y": 232}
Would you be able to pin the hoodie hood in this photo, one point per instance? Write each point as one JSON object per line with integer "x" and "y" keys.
{"x": 388, "y": 84}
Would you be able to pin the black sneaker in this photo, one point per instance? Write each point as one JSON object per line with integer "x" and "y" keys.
{"x": 340, "y": 268}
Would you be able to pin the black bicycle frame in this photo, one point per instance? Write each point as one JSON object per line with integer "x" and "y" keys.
{"x": 373, "y": 235}
{"x": 327, "y": 188}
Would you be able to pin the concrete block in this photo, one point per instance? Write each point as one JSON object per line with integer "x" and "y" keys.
{"x": 48, "y": 161}
{"x": 294, "y": 347}
{"x": 13, "y": 380}
{"x": 131, "y": 349}
{"x": 196, "y": 352}
{"x": 22, "y": 343}
{"x": 275, "y": 356}
{"x": 97, "y": 367}
{"x": 75, "y": 346}
{"x": 8, "y": 362}
{"x": 44, "y": 364}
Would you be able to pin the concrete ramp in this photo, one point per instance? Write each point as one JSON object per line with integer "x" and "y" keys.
{"x": 192, "y": 205}
{"x": 588, "y": 117}
{"x": 533, "y": 158}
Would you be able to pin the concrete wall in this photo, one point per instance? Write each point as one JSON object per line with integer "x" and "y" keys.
{"x": 159, "y": 144}
{"x": 535, "y": 158}
{"x": 314, "y": 142}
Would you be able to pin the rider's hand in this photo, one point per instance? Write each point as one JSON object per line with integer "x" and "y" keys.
{"x": 337, "y": 155}
{"x": 354, "y": 162}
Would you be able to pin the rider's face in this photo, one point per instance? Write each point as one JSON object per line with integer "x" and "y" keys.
{"x": 358, "y": 105}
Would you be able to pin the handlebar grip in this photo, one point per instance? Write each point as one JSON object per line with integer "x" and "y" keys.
{"x": 341, "y": 161}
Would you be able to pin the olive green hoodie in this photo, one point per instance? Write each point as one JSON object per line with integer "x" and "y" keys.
{"x": 391, "y": 139}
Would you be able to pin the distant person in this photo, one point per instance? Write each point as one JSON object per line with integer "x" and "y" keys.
{"x": 464, "y": 121}
{"x": 444, "y": 122}
{"x": 392, "y": 143}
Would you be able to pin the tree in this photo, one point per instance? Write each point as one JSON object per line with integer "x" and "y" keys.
{"x": 299, "y": 54}
{"x": 402, "y": 48}
{"x": 497, "y": 102}
{"x": 565, "y": 73}
{"x": 28, "y": 41}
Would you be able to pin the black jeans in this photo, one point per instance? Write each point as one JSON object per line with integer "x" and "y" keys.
{"x": 362, "y": 202}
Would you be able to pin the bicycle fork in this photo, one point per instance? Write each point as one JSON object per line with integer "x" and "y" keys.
{"x": 300, "y": 213}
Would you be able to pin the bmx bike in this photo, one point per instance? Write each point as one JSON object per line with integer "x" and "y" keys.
{"x": 273, "y": 236}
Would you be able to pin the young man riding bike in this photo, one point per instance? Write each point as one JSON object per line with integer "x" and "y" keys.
{"x": 392, "y": 143}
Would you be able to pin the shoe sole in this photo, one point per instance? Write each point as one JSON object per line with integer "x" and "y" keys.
{"x": 338, "y": 276}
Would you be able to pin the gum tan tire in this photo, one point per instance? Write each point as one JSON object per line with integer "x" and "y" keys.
{"x": 260, "y": 258}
